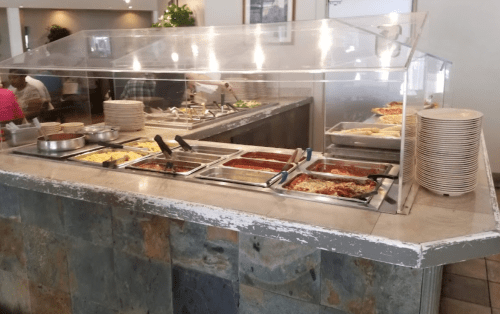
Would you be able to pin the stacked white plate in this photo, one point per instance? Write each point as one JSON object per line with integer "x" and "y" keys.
{"x": 71, "y": 127}
{"x": 126, "y": 114}
{"x": 50, "y": 127}
{"x": 448, "y": 142}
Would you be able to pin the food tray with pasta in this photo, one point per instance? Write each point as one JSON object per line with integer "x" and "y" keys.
{"x": 96, "y": 158}
{"x": 338, "y": 191}
{"x": 374, "y": 135}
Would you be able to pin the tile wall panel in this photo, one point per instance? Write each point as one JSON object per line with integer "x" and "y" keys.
{"x": 12, "y": 256}
{"x": 200, "y": 293}
{"x": 285, "y": 268}
{"x": 9, "y": 203}
{"x": 205, "y": 249}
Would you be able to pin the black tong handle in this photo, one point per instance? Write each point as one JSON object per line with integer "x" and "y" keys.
{"x": 164, "y": 147}
{"x": 183, "y": 143}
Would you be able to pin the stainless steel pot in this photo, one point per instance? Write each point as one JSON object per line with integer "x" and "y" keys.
{"x": 61, "y": 142}
{"x": 100, "y": 133}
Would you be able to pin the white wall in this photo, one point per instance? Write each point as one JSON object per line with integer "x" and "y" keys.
{"x": 76, "y": 20}
{"x": 146, "y": 5}
{"x": 466, "y": 33}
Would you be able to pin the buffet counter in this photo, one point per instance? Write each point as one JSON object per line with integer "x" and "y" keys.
{"x": 254, "y": 247}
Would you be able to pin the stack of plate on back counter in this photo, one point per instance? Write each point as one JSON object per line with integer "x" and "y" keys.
{"x": 126, "y": 114}
{"x": 50, "y": 127}
{"x": 448, "y": 142}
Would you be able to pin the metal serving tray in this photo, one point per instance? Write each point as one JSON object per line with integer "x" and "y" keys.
{"x": 177, "y": 163}
{"x": 107, "y": 150}
{"x": 193, "y": 157}
{"x": 373, "y": 202}
{"x": 381, "y": 168}
{"x": 284, "y": 154}
{"x": 170, "y": 143}
{"x": 32, "y": 150}
{"x": 26, "y": 134}
{"x": 257, "y": 163}
{"x": 214, "y": 150}
{"x": 363, "y": 140}
{"x": 248, "y": 177}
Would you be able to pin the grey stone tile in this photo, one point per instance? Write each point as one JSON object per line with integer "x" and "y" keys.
{"x": 198, "y": 293}
{"x": 91, "y": 273}
{"x": 47, "y": 261}
{"x": 142, "y": 235}
{"x": 14, "y": 293}
{"x": 330, "y": 310}
{"x": 9, "y": 203}
{"x": 357, "y": 285}
{"x": 206, "y": 249}
{"x": 42, "y": 210}
{"x": 143, "y": 286}
{"x": 88, "y": 221}
{"x": 257, "y": 301}
{"x": 45, "y": 300}
{"x": 285, "y": 268}
{"x": 12, "y": 256}
{"x": 81, "y": 306}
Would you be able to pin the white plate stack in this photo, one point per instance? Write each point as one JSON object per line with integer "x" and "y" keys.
{"x": 50, "y": 127}
{"x": 126, "y": 114}
{"x": 448, "y": 144}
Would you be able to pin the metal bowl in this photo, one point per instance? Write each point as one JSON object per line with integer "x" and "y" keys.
{"x": 61, "y": 142}
{"x": 100, "y": 133}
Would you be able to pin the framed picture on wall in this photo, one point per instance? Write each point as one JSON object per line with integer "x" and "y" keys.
{"x": 268, "y": 11}
{"x": 99, "y": 47}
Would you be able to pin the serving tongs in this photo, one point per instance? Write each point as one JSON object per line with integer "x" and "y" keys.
{"x": 110, "y": 163}
{"x": 167, "y": 152}
{"x": 185, "y": 146}
{"x": 374, "y": 177}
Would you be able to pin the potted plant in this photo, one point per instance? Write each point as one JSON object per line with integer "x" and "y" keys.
{"x": 57, "y": 32}
{"x": 175, "y": 16}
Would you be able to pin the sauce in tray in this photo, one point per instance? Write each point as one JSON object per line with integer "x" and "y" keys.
{"x": 161, "y": 167}
{"x": 267, "y": 156}
{"x": 345, "y": 170}
{"x": 333, "y": 187}
{"x": 254, "y": 165}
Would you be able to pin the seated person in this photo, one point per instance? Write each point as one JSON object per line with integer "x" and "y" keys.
{"x": 28, "y": 96}
{"x": 139, "y": 89}
{"x": 9, "y": 108}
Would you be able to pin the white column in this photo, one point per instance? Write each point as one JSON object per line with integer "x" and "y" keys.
{"x": 154, "y": 16}
{"x": 15, "y": 33}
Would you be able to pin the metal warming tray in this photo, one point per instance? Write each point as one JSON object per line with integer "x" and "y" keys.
{"x": 214, "y": 150}
{"x": 363, "y": 140}
{"x": 372, "y": 202}
{"x": 245, "y": 162}
{"x": 78, "y": 158}
{"x": 194, "y": 157}
{"x": 26, "y": 134}
{"x": 32, "y": 150}
{"x": 240, "y": 176}
{"x": 191, "y": 167}
{"x": 170, "y": 143}
{"x": 363, "y": 167}
{"x": 278, "y": 156}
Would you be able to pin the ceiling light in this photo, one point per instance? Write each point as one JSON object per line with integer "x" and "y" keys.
{"x": 130, "y": 7}
{"x": 21, "y": 6}
{"x": 127, "y": 1}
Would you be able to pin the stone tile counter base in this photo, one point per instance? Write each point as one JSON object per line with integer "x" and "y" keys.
{"x": 59, "y": 255}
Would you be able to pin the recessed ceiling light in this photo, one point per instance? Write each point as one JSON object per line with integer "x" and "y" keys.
{"x": 130, "y": 7}
{"x": 21, "y": 6}
{"x": 127, "y": 1}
